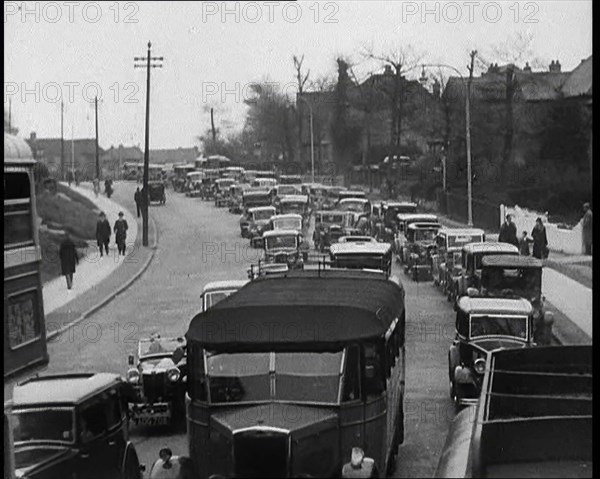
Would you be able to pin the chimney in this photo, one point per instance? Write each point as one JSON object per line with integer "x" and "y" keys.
{"x": 527, "y": 68}
{"x": 554, "y": 67}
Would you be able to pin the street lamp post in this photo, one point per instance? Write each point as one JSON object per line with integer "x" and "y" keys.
{"x": 312, "y": 139}
{"x": 467, "y": 85}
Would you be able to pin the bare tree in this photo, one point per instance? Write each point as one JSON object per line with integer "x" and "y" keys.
{"x": 398, "y": 61}
{"x": 301, "y": 79}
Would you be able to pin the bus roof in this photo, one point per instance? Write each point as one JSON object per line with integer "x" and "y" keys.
{"x": 360, "y": 247}
{"x": 323, "y": 308}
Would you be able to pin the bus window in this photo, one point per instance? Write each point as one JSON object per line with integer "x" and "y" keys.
{"x": 197, "y": 381}
{"x": 351, "y": 388}
{"x": 374, "y": 383}
{"x": 18, "y": 224}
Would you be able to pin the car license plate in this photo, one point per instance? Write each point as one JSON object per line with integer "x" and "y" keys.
{"x": 151, "y": 420}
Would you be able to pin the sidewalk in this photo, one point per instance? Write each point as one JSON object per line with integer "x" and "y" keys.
{"x": 92, "y": 268}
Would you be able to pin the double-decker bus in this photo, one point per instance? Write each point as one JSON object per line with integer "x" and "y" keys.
{"x": 24, "y": 325}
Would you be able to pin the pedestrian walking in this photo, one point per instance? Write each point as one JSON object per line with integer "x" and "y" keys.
{"x": 121, "y": 233}
{"x": 70, "y": 178}
{"x": 96, "y": 184}
{"x": 508, "y": 232}
{"x": 137, "y": 197}
{"x": 103, "y": 234}
{"x": 587, "y": 229}
{"x": 68, "y": 260}
{"x": 524, "y": 244}
{"x": 540, "y": 240}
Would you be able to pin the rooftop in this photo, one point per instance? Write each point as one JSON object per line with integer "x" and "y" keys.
{"x": 477, "y": 305}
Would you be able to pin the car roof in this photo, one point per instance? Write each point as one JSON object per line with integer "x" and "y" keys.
{"x": 511, "y": 261}
{"x": 268, "y": 234}
{"x": 261, "y": 208}
{"x": 65, "y": 389}
{"x": 357, "y": 239}
{"x": 286, "y": 216}
{"x": 353, "y": 192}
{"x": 352, "y": 200}
{"x": 332, "y": 308}
{"x": 474, "y": 305}
{"x": 224, "y": 285}
{"x": 418, "y": 216}
{"x": 421, "y": 226}
{"x": 360, "y": 247}
{"x": 302, "y": 198}
{"x": 490, "y": 247}
{"x": 461, "y": 231}
{"x": 399, "y": 203}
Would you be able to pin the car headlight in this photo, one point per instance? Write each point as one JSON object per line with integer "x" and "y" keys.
{"x": 479, "y": 365}
{"x": 173, "y": 374}
{"x": 133, "y": 376}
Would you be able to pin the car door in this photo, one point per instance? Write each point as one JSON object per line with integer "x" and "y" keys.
{"x": 100, "y": 449}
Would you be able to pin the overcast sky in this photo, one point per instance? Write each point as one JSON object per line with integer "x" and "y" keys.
{"x": 211, "y": 56}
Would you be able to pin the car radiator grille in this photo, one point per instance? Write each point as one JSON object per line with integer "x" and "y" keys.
{"x": 154, "y": 386}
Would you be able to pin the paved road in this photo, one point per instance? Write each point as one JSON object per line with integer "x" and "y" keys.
{"x": 200, "y": 243}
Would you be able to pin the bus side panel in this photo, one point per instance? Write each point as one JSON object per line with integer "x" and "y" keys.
{"x": 351, "y": 429}
{"x": 198, "y": 430}
{"x": 24, "y": 325}
{"x": 375, "y": 430}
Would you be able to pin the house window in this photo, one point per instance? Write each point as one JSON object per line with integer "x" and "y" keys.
{"x": 18, "y": 225}
{"x": 23, "y": 318}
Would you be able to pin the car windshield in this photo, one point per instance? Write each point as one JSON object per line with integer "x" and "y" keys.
{"x": 352, "y": 205}
{"x": 212, "y": 298}
{"x": 287, "y": 224}
{"x": 296, "y": 377}
{"x": 356, "y": 239}
{"x": 400, "y": 209}
{"x": 287, "y": 190}
{"x": 479, "y": 257}
{"x": 262, "y": 214}
{"x": 425, "y": 235}
{"x": 159, "y": 346}
{"x": 525, "y": 282}
{"x": 484, "y": 325}
{"x": 332, "y": 219}
{"x": 43, "y": 425}
{"x": 283, "y": 241}
{"x": 292, "y": 206}
{"x": 454, "y": 241}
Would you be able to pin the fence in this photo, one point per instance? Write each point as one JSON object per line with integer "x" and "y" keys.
{"x": 559, "y": 239}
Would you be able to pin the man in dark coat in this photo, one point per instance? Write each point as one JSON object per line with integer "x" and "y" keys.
{"x": 68, "y": 260}
{"x": 121, "y": 233}
{"x": 103, "y": 234}
{"x": 587, "y": 229}
{"x": 540, "y": 241}
{"x": 508, "y": 232}
{"x": 137, "y": 197}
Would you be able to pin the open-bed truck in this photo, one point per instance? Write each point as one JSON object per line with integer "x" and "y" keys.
{"x": 533, "y": 419}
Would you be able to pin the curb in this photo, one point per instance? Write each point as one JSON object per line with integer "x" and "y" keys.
{"x": 115, "y": 293}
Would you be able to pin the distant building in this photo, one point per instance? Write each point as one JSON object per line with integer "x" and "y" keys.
{"x": 113, "y": 159}
{"x": 79, "y": 155}
{"x": 174, "y": 155}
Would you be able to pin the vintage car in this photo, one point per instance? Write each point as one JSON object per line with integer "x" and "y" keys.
{"x": 534, "y": 418}
{"x": 329, "y": 227}
{"x": 235, "y": 172}
{"x": 193, "y": 184}
{"x": 391, "y": 210}
{"x": 346, "y": 194}
{"x": 331, "y": 197}
{"x": 356, "y": 206}
{"x": 236, "y": 192}
{"x": 284, "y": 246}
{"x": 469, "y": 275}
{"x": 258, "y": 222}
{"x": 262, "y": 269}
{"x": 299, "y": 374}
{"x": 297, "y": 204}
{"x": 156, "y": 192}
{"x": 159, "y": 383}
{"x": 484, "y": 325}
{"x": 356, "y": 239}
{"x": 418, "y": 249}
{"x": 512, "y": 276}
{"x": 253, "y": 199}
{"x": 180, "y": 176}
{"x": 290, "y": 179}
{"x": 403, "y": 220}
{"x": 73, "y": 425}
{"x": 216, "y": 291}
{"x": 264, "y": 182}
{"x": 279, "y": 191}
{"x": 221, "y": 191}
{"x": 362, "y": 255}
{"x": 290, "y": 221}
{"x": 210, "y": 176}
{"x": 445, "y": 261}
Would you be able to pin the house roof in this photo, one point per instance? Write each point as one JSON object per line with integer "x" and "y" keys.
{"x": 174, "y": 155}
{"x": 579, "y": 82}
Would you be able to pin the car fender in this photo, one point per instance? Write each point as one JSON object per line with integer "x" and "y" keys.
{"x": 129, "y": 450}
{"x": 453, "y": 358}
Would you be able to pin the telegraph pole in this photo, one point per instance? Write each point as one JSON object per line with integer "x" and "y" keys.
{"x": 468, "y": 138}
{"x": 62, "y": 143}
{"x": 145, "y": 196}
{"x": 97, "y": 156}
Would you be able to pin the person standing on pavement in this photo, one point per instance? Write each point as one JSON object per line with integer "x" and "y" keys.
{"x": 587, "y": 229}
{"x": 137, "y": 197}
{"x": 540, "y": 241}
{"x": 103, "y": 234}
{"x": 524, "y": 245}
{"x": 68, "y": 260}
{"x": 508, "y": 232}
{"x": 96, "y": 184}
{"x": 121, "y": 233}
